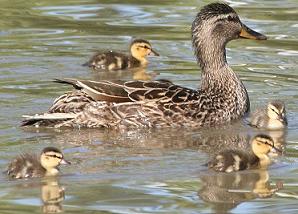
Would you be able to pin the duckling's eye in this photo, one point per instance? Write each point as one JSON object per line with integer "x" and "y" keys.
{"x": 54, "y": 156}
{"x": 230, "y": 18}
{"x": 276, "y": 112}
{"x": 144, "y": 46}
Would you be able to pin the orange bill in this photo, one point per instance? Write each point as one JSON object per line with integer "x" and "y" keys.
{"x": 248, "y": 33}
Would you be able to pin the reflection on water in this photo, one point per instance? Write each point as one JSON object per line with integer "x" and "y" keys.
{"x": 135, "y": 74}
{"x": 142, "y": 171}
{"x": 142, "y": 74}
{"x": 225, "y": 191}
{"x": 52, "y": 195}
{"x": 210, "y": 141}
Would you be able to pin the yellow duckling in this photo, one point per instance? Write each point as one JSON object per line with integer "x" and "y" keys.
{"x": 139, "y": 50}
{"x": 236, "y": 160}
{"x": 272, "y": 118}
{"x": 30, "y": 165}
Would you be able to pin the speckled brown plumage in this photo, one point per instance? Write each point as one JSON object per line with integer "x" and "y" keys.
{"x": 221, "y": 98}
{"x": 226, "y": 160}
{"x": 26, "y": 165}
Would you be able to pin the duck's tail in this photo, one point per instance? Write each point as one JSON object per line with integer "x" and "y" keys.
{"x": 87, "y": 64}
{"x": 46, "y": 119}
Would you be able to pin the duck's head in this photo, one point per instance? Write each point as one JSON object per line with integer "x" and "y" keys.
{"x": 214, "y": 26}
{"x": 51, "y": 158}
{"x": 276, "y": 110}
{"x": 141, "y": 48}
{"x": 263, "y": 145}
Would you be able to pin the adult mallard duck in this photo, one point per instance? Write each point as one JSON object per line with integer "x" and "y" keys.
{"x": 232, "y": 160}
{"x": 272, "y": 118}
{"x": 111, "y": 60}
{"x": 132, "y": 104}
{"x": 32, "y": 165}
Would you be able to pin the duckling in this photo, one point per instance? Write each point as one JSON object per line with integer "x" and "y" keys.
{"x": 139, "y": 50}
{"x": 30, "y": 165}
{"x": 272, "y": 118}
{"x": 221, "y": 99}
{"x": 235, "y": 160}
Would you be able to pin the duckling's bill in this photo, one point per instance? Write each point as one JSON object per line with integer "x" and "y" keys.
{"x": 248, "y": 33}
{"x": 275, "y": 152}
{"x": 65, "y": 162}
{"x": 153, "y": 52}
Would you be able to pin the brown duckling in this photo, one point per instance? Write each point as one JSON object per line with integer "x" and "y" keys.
{"x": 235, "y": 160}
{"x": 110, "y": 60}
{"x": 271, "y": 118}
{"x": 31, "y": 165}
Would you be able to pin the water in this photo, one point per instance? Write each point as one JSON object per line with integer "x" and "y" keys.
{"x": 141, "y": 171}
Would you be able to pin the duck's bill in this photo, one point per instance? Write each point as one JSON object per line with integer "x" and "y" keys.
{"x": 248, "y": 33}
{"x": 153, "y": 52}
{"x": 65, "y": 162}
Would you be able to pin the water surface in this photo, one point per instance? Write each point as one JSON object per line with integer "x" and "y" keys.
{"x": 156, "y": 171}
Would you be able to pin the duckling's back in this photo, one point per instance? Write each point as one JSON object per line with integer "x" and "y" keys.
{"x": 232, "y": 160}
{"x": 108, "y": 61}
{"x": 259, "y": 118}
{"x": 25, "y": 166}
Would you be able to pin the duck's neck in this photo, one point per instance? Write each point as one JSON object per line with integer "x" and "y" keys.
{"x": 217, "y": 77}
{"x": 211, "y": 55}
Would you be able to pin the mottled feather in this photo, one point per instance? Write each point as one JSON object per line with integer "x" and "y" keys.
{"x": 24, "y": 166}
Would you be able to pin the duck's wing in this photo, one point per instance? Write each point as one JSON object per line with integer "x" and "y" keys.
{"x": 138, "y": 99}
{"x": 99, "y": 91}
{"x": 133, "y": 91}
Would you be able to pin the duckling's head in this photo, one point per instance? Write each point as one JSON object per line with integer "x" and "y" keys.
{"x": 140, "y": 49}
{"x": 276, "y": 110}
{"x": 51, "y": 158}
{"x": 214, "y": 26}
{"x": 262, "y": 145}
